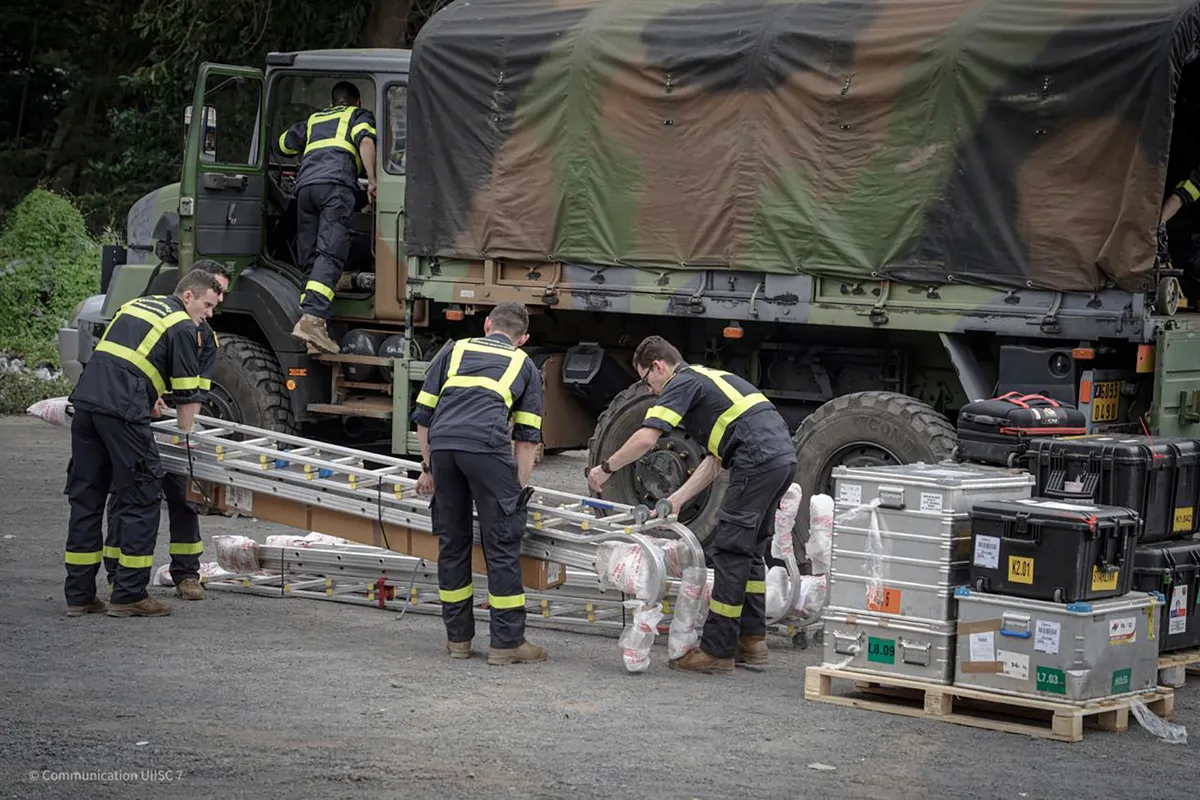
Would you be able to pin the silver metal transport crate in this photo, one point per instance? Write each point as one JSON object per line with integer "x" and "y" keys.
{"x": 1073, "y": 652}
{"x": 878, "y": 644}
{"x": 923, "y": 548}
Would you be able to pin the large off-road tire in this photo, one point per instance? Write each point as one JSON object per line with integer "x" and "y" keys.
{"x": 247, "y": 386}
{"x": 659, "y": 472}
{"x": 865, "y": 429}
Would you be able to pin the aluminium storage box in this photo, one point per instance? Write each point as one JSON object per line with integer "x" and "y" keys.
{"x": 1070, "y": 652}
{"x": 874, "y": 643}
{"x": 1048, "y": 550}
{"x": 1158, "y": 478}
{"x": 922, "y": 550}
{"x": 1173, "y": 569}
{"x": 997, "y": 431}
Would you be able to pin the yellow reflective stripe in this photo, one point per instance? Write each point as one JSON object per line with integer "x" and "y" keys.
{"x": 724, "y": 609}
{"x": 506, "y": 600}
{"x": 320, "y": 289}
{"x": 665, "y": 414}
{"x": 186, "y": 548}
{"x": 182, "y": 384}
{"x": 427, "y": 399}
{"x": 112, "y": 552}
{"x": 158, "y": 326}
{"x": 739, "y": 405}
{"x": 339, "y": 137}
{"x": 756, "y": 587}
{"x": 360, "y": 127}
{"x": 137, "y": 562}
{"x": 525, "y": 418}
{"x": 133, "y": 357}
{"x": 283, "y": 145}
{"x": 1190, "y": 188}
{"x": 216, "y": 341}
{"x": 205, "y": 383}
{"x": 502, "y": 387}
{"x": 82, "y": 559}
{"x": 456, "y": 595}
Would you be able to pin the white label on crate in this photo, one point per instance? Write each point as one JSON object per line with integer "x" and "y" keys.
{"x": 1122, "y": 631}
{"x": 987, "y": 552}
{"x": 1015, "y": 665}
{"x": 1178, "y": 612}
{"x": 850, "y": 493}
{"x": 931, "y": 502}
{"x": 1058, "y": 506}
{"x": 241, "y": 499}
{"x": 1045, "y": 636}
{"x": 466, "y": 292}
{"x": 983, "y": 647}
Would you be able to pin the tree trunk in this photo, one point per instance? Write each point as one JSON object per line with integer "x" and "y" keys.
{"x": 387, "y": 24}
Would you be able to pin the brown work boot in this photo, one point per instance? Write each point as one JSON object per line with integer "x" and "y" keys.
{"x": 699, "y": 661}
{"x": 751, "y": 650}
{"x": 459, "y": 649}
{"x": 345, "y": 283}
{"x": 312, "y": 329}
{"x": 94, "y": 607}
{"x": 189, "y": 589}
{"x": 525, "y": 653}
{"x": 146, "y": 607}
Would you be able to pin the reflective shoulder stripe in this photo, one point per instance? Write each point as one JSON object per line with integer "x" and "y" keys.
{"x": 503, "y": 386}
{"x": 668, "y": 416}
{"x": 360, "y": 127}
{"x": 738, "y": 404}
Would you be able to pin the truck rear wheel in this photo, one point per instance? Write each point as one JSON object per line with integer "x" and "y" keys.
{"x": 247, "y": 386}
{"x": 865, "y": 429}
{"x": 662, "y": 470}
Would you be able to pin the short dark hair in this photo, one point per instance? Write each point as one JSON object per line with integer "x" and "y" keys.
{"x": 213, "y": 268}
{"x": 655, "y": 348}
{"x": 197, "y": 282}
{"x": 511, "y": 318}
{"x": 344, "y": 93}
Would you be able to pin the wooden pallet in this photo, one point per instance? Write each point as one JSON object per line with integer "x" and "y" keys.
{"x": 1173, "y": 668}
{"x": 1043, "y": 719}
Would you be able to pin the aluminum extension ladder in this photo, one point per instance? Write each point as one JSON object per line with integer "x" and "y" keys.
{"x": 562, "y": 528}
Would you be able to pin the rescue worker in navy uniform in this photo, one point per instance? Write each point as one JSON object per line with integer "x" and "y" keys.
{"x": 149, "y": 346}
{"x": 462, "y": 416}
{"x": 184, "y": 520}
{"x": 337, "y": 144}
{"x": 745, "y": 434}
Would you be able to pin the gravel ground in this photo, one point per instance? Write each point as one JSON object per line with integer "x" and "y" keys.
{"x": 242, "y": 696}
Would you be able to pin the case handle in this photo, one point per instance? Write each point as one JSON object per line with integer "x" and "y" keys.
{"x": 891, "y": 497}
{"x": 1019, "y": 528}
{"x": 1015, "y": 625}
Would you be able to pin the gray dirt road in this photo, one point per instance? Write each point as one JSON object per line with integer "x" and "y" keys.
{"x": 241, "y": 696}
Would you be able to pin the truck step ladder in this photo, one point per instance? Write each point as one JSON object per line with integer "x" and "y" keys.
{"x": 371, "y": 500}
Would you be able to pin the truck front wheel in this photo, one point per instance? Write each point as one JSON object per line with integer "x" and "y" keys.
{"x": 247, "y": 386}
{"x": 661, "y": 471}
{"x": 865, "y": 429}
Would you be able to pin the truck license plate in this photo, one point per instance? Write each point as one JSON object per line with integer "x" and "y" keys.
{"x": 1106, "y": 401}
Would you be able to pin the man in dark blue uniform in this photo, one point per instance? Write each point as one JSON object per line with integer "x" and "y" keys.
{"x": 337, "y": 144}
{"x": 462, "y": 416}
{"x": 184, "y": 520}
{"x": 148, "y": 348}
{"x": 745, "y": 434}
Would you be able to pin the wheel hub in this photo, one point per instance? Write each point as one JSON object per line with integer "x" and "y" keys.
{"x": 665, "y": 468}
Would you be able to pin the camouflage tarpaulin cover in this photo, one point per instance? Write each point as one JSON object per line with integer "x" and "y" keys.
{"x": 1020, "y": 142}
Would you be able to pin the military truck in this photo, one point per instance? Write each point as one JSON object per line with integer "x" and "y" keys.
{"x": 875, "y": 211}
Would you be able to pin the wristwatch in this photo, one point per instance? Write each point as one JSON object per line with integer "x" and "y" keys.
{"x": 605, "y": 468}
{"x": 424, "y": 467}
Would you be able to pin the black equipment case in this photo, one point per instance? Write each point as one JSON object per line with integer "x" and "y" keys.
{"x": 1048, "y": 550}
{"x": 1157, "y": 478}
{"x": 1172, "y": 568}
{"x": 998, "y": 431}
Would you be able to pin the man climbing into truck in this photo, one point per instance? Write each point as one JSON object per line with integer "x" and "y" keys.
{"x": 338, "y": 143}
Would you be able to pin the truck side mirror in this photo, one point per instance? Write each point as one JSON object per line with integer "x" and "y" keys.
{"x": 208, "y": 145}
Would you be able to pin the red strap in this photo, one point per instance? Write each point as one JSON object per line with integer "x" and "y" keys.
{"x": 1018, "y": 399}
{"x": 1059, "y": 431}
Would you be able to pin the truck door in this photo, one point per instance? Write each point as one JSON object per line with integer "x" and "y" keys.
{"x": 222, "y": 184}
